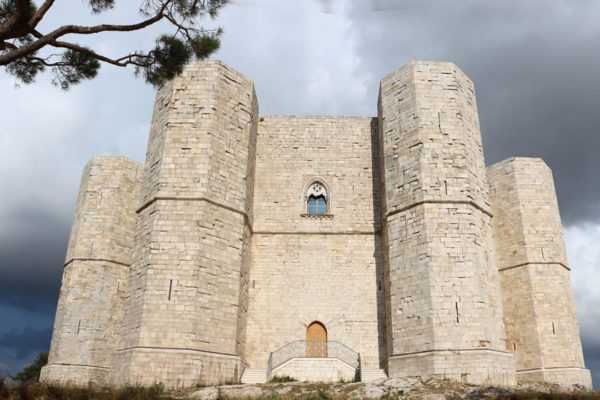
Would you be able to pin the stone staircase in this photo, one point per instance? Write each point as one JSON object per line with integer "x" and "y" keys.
{"x": 254, "y": 375}
{"x": 369, "y": 375}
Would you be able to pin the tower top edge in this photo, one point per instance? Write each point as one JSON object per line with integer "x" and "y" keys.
{"x": 521, "y": 161}
{"x": 113, "y": 159}
{"x": 318, "y": 117}
{"x": 216, "y": 64}
{"x": 423, "y": 65}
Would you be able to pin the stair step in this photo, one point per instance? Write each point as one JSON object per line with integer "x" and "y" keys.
{"x": 254, "y": 375}
{"x": 369, "y": 375}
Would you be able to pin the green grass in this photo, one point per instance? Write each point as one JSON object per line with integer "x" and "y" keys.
{"x": 282, "y": 379}
{"x": 36, "y": 391}
{"x": 308, "y": 391}
{"x": 531, "y": 395}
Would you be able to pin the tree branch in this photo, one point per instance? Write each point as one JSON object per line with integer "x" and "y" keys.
{"x": 40, "y": 13}
{"x": 119, "y": 62}
{"x": 84, "y": 30}
{"x": 20, "y": 40}
{"x": 17, "y": 23}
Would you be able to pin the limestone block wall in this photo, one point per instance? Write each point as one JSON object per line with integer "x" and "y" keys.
{"x": 539, "y": 308}
{"x": 185, "y": 314}
{"x": 316, "y": 370}
{"x": 443, "y": 297}
{"x": 207, "y": 261}
{"x": 90, "y": 306}
{"x": 328, "y": 268}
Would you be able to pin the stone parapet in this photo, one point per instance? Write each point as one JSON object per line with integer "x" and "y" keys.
{"x": 316, "y": 370}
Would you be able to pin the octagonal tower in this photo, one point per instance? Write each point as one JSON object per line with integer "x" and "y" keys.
{"x": 444, "y": 314}
{"x": 185, "y": 315}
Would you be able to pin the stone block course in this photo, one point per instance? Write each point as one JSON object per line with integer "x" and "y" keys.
{"x": 534, "y": 273}
{"x": 443, "y": 286}
{"x": 89, "y": 314}
{"x": 208, "y": 259}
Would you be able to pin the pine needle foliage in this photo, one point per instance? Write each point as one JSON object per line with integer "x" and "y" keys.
{"x": 31, "y": 373}
{"x": 25, "y": 51}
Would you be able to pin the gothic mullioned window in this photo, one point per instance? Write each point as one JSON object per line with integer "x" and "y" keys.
{"x": 317, "y": 198}
{"x": 317, "y": 205}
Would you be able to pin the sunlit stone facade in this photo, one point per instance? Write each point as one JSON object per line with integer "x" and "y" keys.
{"x": 384, "y": 238}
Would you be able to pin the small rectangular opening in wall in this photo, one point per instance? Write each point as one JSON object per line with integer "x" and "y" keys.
{"x": 553, "y": 330}
{"x": 170, "y": 288}
{"x": 514, "y": 346}
{"x": 78, "y": 326}
{"x": 379, "y": 285}
{"x": 457, "y": 319}
{"x": 253, "y": 282}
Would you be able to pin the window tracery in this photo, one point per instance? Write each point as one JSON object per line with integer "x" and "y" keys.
{"x": 316, "y": 199}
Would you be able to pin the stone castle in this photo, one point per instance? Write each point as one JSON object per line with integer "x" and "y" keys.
{"x": 248, "y": 247}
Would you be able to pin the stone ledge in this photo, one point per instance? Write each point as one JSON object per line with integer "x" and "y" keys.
{"x": 476, "y": 366}
{"x": 558, "y": 375}
{"x": 317, "y": 216}
{"x": 75, "y": 375}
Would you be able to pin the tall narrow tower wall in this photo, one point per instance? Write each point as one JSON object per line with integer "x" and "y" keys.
{"x": 444, "y": 313}
{"x": 539, "y": 308}
{"x": 186, "y": 310}
{"x": 90, "y": 307}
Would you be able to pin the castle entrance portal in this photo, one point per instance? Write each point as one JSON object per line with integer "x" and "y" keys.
{"x": 316, "y": 340}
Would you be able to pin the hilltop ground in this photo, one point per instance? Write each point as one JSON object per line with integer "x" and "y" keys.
{"x": 407, "y": 389}
{"x": 398, "y": 388}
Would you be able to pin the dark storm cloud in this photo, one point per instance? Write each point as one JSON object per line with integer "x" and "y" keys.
{"x": 32, "y": 255}
{"x": 25, "y": 342}
{"x": 591, "y": 350}
{"x": 535, "y": 67}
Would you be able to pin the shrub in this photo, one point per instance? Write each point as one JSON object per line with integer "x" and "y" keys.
{"x": 282, "y": 379}
{"x": 31, "y": 373}
{"x": 4, "y": 392}
{"x": 140, "y": 392}
{"x": 531, "y": 395}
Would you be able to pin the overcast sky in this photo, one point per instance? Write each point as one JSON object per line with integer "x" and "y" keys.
{"x": 535, "y": 65}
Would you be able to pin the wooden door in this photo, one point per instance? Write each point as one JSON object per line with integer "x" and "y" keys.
{"x": 316, "y": 340}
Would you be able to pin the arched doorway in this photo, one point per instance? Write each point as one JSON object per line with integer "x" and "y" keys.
{"x": 316, "y": 340}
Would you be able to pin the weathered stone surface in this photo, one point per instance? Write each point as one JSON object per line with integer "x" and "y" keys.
{"x": 185, "y": 314}
{"x": 539, "y": 308}
{"x": 229, "y": 263}
{"x": 89, "y": 314}
{"x": 316, "y": 370}
{"x": 443, "y": 296}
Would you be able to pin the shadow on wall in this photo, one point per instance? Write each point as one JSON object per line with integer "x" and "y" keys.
{"x": 379, "y": 239}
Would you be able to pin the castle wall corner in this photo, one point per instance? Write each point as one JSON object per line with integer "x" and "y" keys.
{"x": 539, "y": 307}
{"x": 185, "y": 314}
{"x": 89, "y": 314}
{"x": 442, "y": 286}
